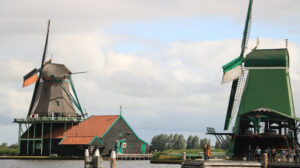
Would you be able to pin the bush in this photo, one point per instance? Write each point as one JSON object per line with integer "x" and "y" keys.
{"x": 8, "y": 151}
{"x": 155, "y": 155}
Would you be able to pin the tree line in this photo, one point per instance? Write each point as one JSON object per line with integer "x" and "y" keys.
{"x": 163, "y": 142}
{"x": 8, "y": 149}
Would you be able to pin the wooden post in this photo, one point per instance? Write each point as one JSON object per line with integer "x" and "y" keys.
{"x": 113, "y": 159}
{"x": 86, "y": 154}
{"x": 183, "y": 156}
{"x": 97, "y": 159}
{"x": 19, "y": 139}
{"x": 42, "y": 141}
{"x": 87, "y": 159}
{"x": 265, "y": 160}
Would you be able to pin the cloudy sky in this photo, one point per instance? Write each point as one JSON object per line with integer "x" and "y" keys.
{"x": 160, "y": 58}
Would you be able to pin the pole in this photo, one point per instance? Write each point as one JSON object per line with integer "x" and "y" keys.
{"x": 113, "y": 159}
{"x": 265, "y": 160}
{"x": 97, "y": 159}
{"x": 28, "y": 132}
{"x": 19, "y": 139}
{"x": 50, "y": 144}
{"x": 183, "y": 156}
{"x": 42, "y": 141}
{"x": 87, "y": 159}
{"x": 33, "y": 144}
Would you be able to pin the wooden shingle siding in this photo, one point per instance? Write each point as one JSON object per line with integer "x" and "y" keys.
{"x": 131, "y": 139}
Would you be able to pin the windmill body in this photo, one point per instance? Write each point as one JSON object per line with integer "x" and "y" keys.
{"x": 53, "y": 99}
{"x": 261, "y": 101}
{"x": 51, "y": 111}
{"x": 266, "y": 116}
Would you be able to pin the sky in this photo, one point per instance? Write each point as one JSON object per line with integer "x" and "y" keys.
{"x": 160, "y": 59}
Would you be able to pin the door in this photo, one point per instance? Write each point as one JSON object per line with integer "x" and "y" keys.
{"x": 119, "y": 145}
{"x": 143, "y": 148}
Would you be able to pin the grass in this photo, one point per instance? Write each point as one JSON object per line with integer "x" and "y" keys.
{"x": 190, "y": 150}
{"x": 8, "y": 151}
{"x": 161, "y": 156}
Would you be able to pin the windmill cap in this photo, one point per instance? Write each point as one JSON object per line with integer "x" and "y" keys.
{"x": 60, "y": 71}
{"x": 267, "y": 58}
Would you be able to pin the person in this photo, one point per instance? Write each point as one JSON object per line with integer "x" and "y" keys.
{"x": 282, "y": 156}
{"x": 249, "y": 153}
{"x": 268, "y": 151}
{"x": 288, "y": 155}
{"x": 296, "y": 159}
{"x": 257, "y": 153}
{"x": 205, "y": 152}
{"x": 273, "y": 154}
{"x": 208, "y": 152}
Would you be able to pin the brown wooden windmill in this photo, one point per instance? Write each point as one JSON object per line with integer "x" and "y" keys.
{"x": 51, "y": 109}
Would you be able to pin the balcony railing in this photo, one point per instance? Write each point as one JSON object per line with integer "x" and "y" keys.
{"x": 49, "y": 119}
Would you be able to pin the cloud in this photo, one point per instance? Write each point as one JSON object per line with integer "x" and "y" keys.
{"x": 74, "y": 16}
{"x": 167, "y": 87}
{"x": 181, "y": 91}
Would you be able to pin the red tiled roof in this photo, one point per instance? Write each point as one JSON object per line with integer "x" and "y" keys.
{"x": 93, "y": 126}
{"x": 84, "y": 132}
{"x": 78, "y": 140}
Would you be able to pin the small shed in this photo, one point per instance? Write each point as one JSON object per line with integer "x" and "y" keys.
{"x": 111, "y": 132}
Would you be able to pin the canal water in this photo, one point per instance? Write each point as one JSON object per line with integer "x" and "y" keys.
{"x": 78, "y": 164}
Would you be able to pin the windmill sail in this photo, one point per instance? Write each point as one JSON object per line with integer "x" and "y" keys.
{"x": 31, "y": 77}
{"x": 35, "y": 92}
{"x": 233, "y": 71}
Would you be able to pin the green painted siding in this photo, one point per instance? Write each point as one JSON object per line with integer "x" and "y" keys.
{"x": 267, "y": 58}
{"x": 268, "y": 88}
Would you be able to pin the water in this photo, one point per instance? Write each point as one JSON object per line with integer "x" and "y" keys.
{"x": 78, "y": 164}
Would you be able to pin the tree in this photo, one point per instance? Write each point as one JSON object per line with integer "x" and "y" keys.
{"x": 179, "y": 142}
{"x": 13, "y": 146}
{"x": 196, "y": 142}
{"x": 189, "y": 142}
{"x": 4, "y": 144}
{"x": 160, "y": 142}
{"x": 170, "y": 141}
{"x": 204, "y": 141}
{"x": 173, "y": 140}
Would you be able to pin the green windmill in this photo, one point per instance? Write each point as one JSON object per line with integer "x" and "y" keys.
{"x": 261, "y": 100}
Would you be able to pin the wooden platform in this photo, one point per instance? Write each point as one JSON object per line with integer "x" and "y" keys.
{"x": 234, "y": 164}
{"x": 220, "y": 163}
{"x": 134, "y": 156}
{"x": 283, "y": 165}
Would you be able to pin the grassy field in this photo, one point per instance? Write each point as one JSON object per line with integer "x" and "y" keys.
{"x": 190, "y": 150}
{"x": 176, "y": 154}
{"x": 8, "y": 151}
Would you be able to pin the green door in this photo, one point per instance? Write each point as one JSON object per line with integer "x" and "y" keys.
{"x": 119, "y": 145}
{"x": 143, "y": 148}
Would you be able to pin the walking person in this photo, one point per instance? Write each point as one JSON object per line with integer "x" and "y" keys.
{"x": 205, "y": 148}
{"x": 249, "y": 153}
{"x": 273, "y": 154}
{"x": 208, "y": 152}
{"x": 257, "y": 153}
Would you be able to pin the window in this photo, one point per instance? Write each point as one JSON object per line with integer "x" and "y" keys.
{"x": 120, "y": 134}
{"x": 58, "y": 103}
